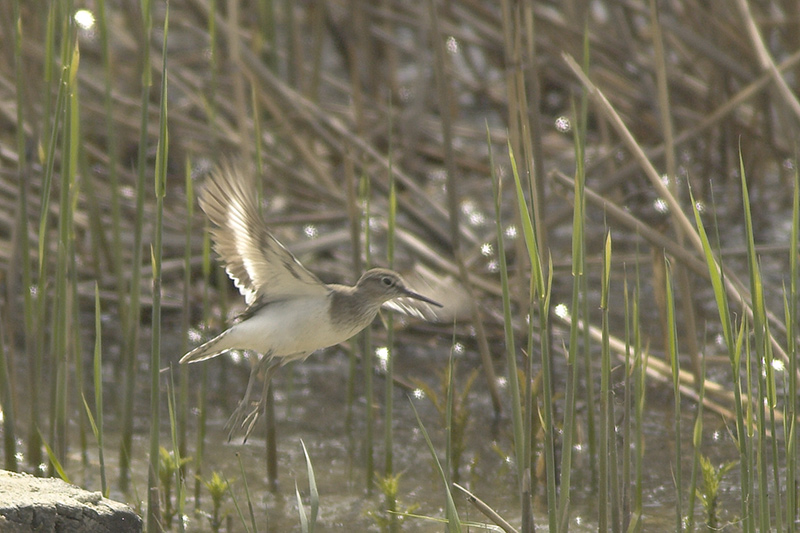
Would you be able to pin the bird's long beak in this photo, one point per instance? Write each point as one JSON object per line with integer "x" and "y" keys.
{"x": 416, "y": 296}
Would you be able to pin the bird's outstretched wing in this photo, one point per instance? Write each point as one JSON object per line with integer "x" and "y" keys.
{"x": 257, "y": 263}
{"x": 415, "y": 308}
{"x": 444, "y": 289}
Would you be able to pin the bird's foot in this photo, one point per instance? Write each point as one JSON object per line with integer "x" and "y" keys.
{"x": 240, "y": 415}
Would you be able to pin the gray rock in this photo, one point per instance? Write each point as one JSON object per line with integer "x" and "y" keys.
{"x": 45, "y": 505}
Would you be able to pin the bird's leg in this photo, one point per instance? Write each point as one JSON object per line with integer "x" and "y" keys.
{"x": 252, "y": 418}
{"x": 237, "y": 419}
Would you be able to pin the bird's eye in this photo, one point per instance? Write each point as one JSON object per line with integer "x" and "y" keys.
{"x": 387, "y": 281}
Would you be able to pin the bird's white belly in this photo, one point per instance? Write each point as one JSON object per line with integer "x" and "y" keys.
{"x": 288, "y": 328}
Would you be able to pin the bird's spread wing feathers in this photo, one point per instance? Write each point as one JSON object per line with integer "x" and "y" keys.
{"x": 412, "y": 307}
{"x": 444, "y": 289}
{"x": 258, "y": 264}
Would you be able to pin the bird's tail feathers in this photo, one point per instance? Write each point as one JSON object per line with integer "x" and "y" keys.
{"x": 207, "y": 350}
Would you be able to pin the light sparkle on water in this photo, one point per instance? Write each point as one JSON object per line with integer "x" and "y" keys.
{"x": 84, "y": 19}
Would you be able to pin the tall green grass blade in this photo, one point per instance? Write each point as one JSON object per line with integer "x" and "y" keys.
{"x": 76, "y": 339}
{"x": 55, "y": 462}
{"x": 183, "y": 370}
{"x": 610, "y": 417}
{"x": 7, "y": 409}
{"x": 733, "y": 343}
{"x": 511, "y": 356}
{"x": 765, "y": 381}
{"x": 133, "y": 317}
{"x": 540, "y": 294}
{"x": 61, "y": 325}
{"x": 97, "y": 372}
{"x": 312, "y": 489}
{"x": 745, "y": 442}
{"x": 202, "y": 402}
{"x": 160, "y": 180}
{"x": 762, "y": 483}
{"x": 548, "y": 424}
{"x": 578, "y": 269}
{"x": 32, "y": 339}
{"x": 301, "y": 510}
{"x": 528, "y": 231}
{"x": 672, "y": 347}
{"x": 697, "y": 449}
{"x": 23, "y": 236}
{"x": 388, "y": 435}
{"x": 640, "y": 386}
{"x": 367, "y": 362}
{"x": 179, "y": 458}
{"x": 627, "y": 446}
{"x": 453, "y": 522}
{"x": 238, "y": 507}
{"x": 482, "y": 526}
{"x": 606, "y": 421}
{"x": 449, "y": 415}
{"x": 791, "y": 348}
{"x": 250, "y": 507}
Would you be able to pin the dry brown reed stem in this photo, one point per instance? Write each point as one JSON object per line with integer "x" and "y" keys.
{"x": 661, "y": 371}
{"x": 656, "y": 238}
{"x": 415, "y": 202}
{"x": 765, "y": 58}
{"x": 734, "y": 287}
{"x": 487, "y": 511}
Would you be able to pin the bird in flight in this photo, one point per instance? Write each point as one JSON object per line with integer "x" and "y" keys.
{"x": 290, "y": 312}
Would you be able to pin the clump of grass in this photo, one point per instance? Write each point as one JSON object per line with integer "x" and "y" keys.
{"x": 308, "y": 522}
{"x": 390, "y": 518}
{"x": 168, "y": 466}
{"x": 217, "y": 487}
{"x": 708, "y": 491}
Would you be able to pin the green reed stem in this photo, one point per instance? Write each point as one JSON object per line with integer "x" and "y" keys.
{"x": 202, "y": 402}
{"x": 765, "y": 375}
{"x": 791, "y": 304}
{"x": 449, "y": 420}
{"x": 35, "y": 440}
{"x": 540, "y": 292}
{"x": 183, "y": 370}
{"x": 24, "y": 249}
{"x": 179, "y": 458}
{"x": 523, "y": 480}
{"x": 97, "y": 372}
{"x": 250, "y": 507}
{"x": 388, "y": 435}
{"x": 160, "y": 182}
{"x": 131, "y": 328}
{"x": 62, "y": 318}
{"x": 607, "y": 422}
{"x": 313, "y": 492}
{"x": 7, "y": 408}
{"x": 366, "y": 354}
{"x": 627, "y": 408}
{"x": 672, "y": 346}
{"x": 640, "y": 390}
{"x": 578, "y": 269}
{"x": 697, "y": 454}
{"x": 733, "y": 342}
